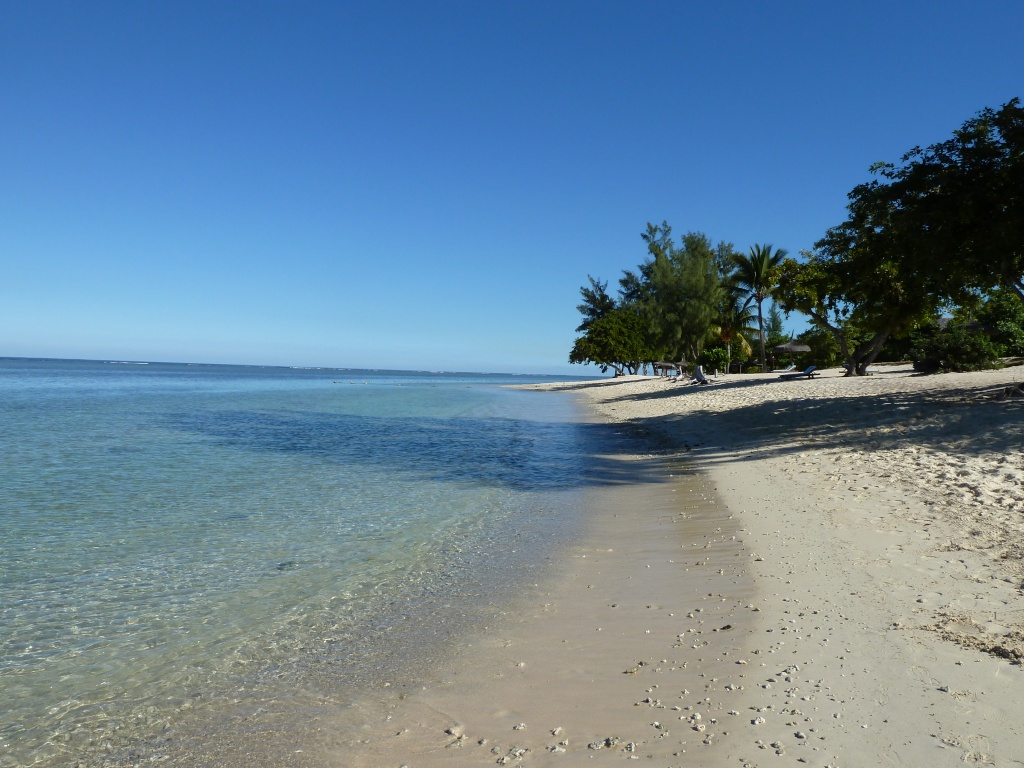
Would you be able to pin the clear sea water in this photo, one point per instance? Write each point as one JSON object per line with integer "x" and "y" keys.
{"x": 172, "y": 535}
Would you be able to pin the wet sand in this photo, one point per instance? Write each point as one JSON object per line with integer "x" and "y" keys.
{"x": 630, "y": 649}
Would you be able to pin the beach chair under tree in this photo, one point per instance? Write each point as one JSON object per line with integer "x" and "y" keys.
{"x": 809, "y": 372}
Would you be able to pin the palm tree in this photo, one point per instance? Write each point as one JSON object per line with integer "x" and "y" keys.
{"x": 734, "y": 324}
{"x": 755, "y": 276}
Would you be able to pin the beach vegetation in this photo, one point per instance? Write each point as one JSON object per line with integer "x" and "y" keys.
{"x": 685, "y": 294}
{"x": 616, "y": 340}
{"x": 735, "y": 322}
{"x": 1001, "y": 315}
{"x": 958, "y": 205}
{"x": 715, "y": 358}
{"x": 942, "y": 228}
{"x": 756, "y": 274}
{"x": 958, "y": 347}
{"x": 825, "y": 351}
{"x": 775, "y": 333}
{"x": 671, "y": 307}
{"x": 859, "y": 296}
{"x": 596, "y": 303}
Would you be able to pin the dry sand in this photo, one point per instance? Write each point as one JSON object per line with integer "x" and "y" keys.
{"x": 839, "y": 586}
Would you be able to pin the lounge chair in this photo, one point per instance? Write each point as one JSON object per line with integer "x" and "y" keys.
{"x": 810, "y": 372}
{"x": 785, "y": 370}
{"x": 699, "y": 377}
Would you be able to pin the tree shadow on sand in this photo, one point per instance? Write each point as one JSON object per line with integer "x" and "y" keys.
{"x": 855, "y": 423}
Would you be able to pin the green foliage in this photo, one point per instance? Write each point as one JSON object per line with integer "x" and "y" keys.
{"x": 679, "y": 290}
{"x": 734, "y": 323}
{"x": 824, "y": 348}
{"x": 1002, "y": 317}
{"x": 897, "y": 349}
{"x": 942, "y": 228}
{"x": 714, "y": 359}
{"x": 857, "y": 285}
{"x": 937, "y": 230}
{"x": 596, "y": 303}
{"x": 736, "y": 317}
{"x": 756, "y": 274}
{"x": 679, "y": 299}
{"x": 955, "y": 349}
{"x": 957, "y": 208}
{"x": 1008, "y": 338}
{"x": 617, "y": 340}
{"x": 687, "y": 292}
{"x": 774, "y": 333}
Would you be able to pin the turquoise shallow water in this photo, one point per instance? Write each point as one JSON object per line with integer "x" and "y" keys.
{"x": 173, "y": 532}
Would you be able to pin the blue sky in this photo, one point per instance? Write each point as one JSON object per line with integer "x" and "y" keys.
{"x": 427, "y": 184}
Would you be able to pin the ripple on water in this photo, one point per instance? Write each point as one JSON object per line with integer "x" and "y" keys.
{"x": 184, "y": 550}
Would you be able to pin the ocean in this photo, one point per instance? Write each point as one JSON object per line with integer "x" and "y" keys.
{"x": 183, "y": 543}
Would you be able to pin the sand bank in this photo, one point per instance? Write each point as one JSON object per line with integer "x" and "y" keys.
{"x": 840, "y": 586}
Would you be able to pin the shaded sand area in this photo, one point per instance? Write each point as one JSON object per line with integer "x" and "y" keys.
{"x": 839, "y": 585}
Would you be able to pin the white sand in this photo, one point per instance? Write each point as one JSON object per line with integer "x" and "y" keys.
{"x": 861, "y": 538}
{"x": 886, "y": 520}
{"x": 950, "y": 441}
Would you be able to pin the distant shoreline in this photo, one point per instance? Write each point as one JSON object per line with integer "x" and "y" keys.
{"x": 313, "y": 368}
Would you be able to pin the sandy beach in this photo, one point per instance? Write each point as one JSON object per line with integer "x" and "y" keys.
{"x": 819, "y": 572}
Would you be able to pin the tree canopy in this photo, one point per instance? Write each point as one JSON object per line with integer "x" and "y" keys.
{"x": 941, "y": 228}
{"x": 683, "y": 294}
{"x": 668, "y": 308}
{"x": 958, "y": 206}
{"x": 756, "y": 274}
{"x": 596, "y": 303}
{"x": 616, "y": 340}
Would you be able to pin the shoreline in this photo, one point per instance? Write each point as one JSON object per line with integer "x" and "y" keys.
{"x": 624, "y": 651}
{"x": 868, "y": 611}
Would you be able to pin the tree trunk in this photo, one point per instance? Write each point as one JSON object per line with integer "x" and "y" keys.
{"x": 858, "y": 360}
{"x": 867, "y": 352}
{"x": 760, "y": 334}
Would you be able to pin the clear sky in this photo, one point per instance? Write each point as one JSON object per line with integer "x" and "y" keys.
{"x": 427, "y": 184}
